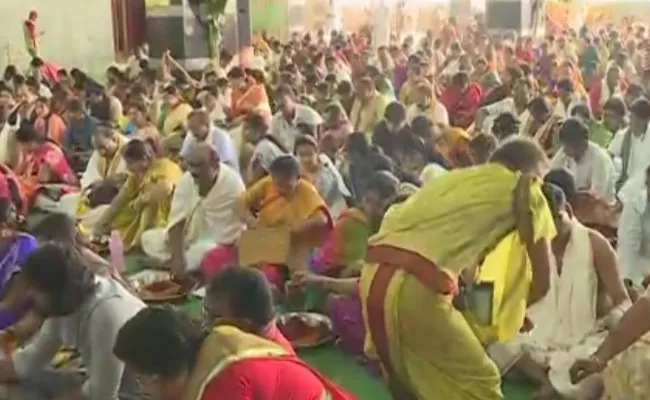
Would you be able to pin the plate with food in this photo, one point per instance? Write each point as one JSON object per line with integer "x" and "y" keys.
{"x": 155, "y": 286}
{"x": 99, "y": 243}
{"x": 306, "y": 330}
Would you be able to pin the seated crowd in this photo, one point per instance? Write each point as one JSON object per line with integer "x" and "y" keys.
{"x": 474, "y": 207}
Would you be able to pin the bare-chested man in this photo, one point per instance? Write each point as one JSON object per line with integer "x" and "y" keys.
{"x": 586, "y": 297}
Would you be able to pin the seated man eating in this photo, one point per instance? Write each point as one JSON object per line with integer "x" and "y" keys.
{"x": 586, "y": 297}
{"x": 82, "y": 310}
{"x": 201, "y": 217}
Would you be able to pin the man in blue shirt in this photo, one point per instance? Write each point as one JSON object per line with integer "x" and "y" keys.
{"x": 77, "y": 141}
{"x": 201, "y": 129}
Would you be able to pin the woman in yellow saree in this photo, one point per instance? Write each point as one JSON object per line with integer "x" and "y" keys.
{"x": 454, "y": 146}
{"x": 283, "y": 199}
{"x": 144, "y": 200}
{"x": 427, "y": 347}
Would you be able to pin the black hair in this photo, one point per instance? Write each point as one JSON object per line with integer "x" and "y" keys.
{"x": 384, "y": 184}
{"x": 423, "y": 127}
{"x": 358, "y": 142}
{"x": 58, "y": 270}
{"x": 285, "y": 90}
{"x": 26, "y": 133}
{"x": 566, "y": 84}
{"x": 581, "y": 110}
{"x": 505, "y": 125}
{"x": 395, "y": 112}
{"x": 141, "y": 340}
{"x": 565, "y": 180}
{"x": 9, "y": 72}
{"x": 36, "y": 62}
{"x": 519, "y": 154}
{"x": 554, "y": 198}
{"x": 483, "y": 145}
{"x": 285, "y": 166}
{"x": 138, "y": 150}
{"x": 635, "y": 90}
{"x": 248, "y": 293}
{"x": 57, "y": 227}
{"x": 460, "y": 79}
{"x": 616, "y": 105}
{"x": 573, "y": 131}
{"x": 515, "y": 73}
{"x": 344, "y": 88}
{"x": 256, "y": 122}
{"x": 236, "y": 73}
{"x": 641, "y": 108}
{"x": 540, "y": 105}
{"x": 18, "y": 80}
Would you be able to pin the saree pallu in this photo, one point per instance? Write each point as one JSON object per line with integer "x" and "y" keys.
{"x": 426, "y": 347}
{"x": 345, "y": 246}
{"x": 51, "y": 127}
{"x": 146, "y": 207}
{"x": 226, "y": 346}
{"x": 49, "y": 156}
{"x": 276, "y": 210}
{"x": 454, "y": 146}
{"x": 174, "y": 120}
{"x": 253, "y": 97}
{"x": 11, "y": 259}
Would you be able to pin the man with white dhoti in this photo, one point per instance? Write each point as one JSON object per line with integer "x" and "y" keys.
{"x": 586, "y": 297}
{"x": 202, "y": 215}
{"x": 106, "y": 166}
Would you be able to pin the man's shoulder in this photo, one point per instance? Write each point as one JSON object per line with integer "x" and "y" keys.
{"x": 308, "y": 115}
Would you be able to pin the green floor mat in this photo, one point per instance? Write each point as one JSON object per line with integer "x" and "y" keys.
{"x": 334, "y": 363}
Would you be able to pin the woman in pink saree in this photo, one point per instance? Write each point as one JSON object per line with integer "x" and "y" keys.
{"x": 43, "y": 172}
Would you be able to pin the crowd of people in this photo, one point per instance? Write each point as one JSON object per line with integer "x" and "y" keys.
{"x": 474, "y": 206}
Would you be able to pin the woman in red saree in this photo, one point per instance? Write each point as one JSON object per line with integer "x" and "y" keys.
{"x": 43, "y": 172}
{"x": 48, "y": 124}
{"x": 462, "y": 99}
{"x": 224, "y": 363}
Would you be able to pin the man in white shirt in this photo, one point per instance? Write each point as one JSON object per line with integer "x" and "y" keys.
{"x": 201, "y": 218}
{"x": 427, "y": 105}
{"x": 83, "y": 311}
{"x": 631, "y": 147}
{"x": 284, "y": 124}
{"x": 590, "y": 164}
{"x": 201, "y": 129}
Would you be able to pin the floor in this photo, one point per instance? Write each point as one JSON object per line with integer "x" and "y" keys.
{"x": 330, "y": 360}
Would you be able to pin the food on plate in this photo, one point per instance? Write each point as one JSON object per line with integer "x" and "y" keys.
{"x": 303, "y": 331}
{"x": 161, "y": 289}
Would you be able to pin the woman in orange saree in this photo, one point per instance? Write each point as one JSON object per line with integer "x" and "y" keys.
{"x": 43, "y": 172}
{"x": 47, "y": 123}
{"x": 283, "y": 199}
{"x": 247, "y": 95}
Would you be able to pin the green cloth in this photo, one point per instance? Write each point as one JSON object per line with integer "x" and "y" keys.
{"x": 599, "y": 134}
